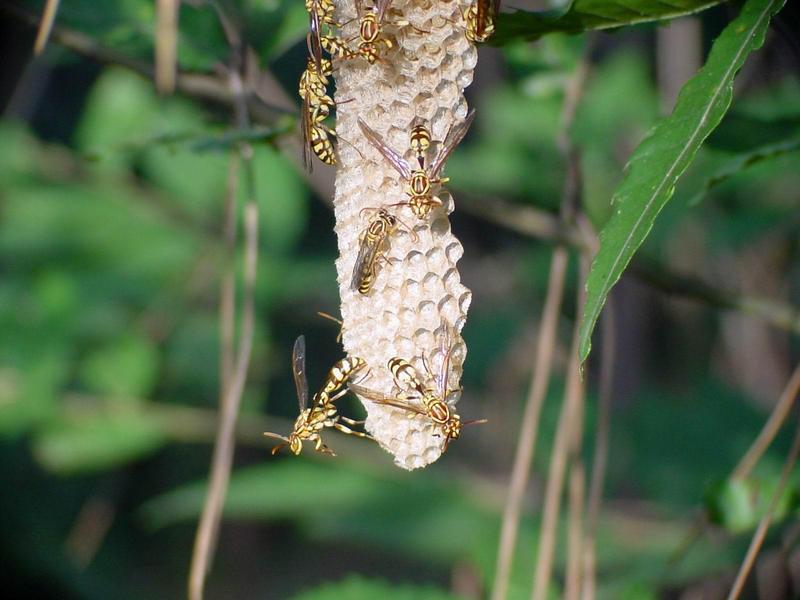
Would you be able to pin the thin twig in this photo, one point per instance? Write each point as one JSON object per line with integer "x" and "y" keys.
{"x": 523, "y": 459}
{"x": 166, "y": 45}
{"x": 223, "y": 448}
{"x": 577, "y": 478}
{"x": 543, "y": 364}
{"x": 222, "y": 459}
{"x": 200, "y": 87}
{"x": 45, "y": 26}
{"x": 568, "y": 421}
{"x": 573, "y": 581}
{"x": 763, "y": 525}
{"x": 771, "y": 427}
{"x": 227, "y": 292}
{"x": 600, "y": 454}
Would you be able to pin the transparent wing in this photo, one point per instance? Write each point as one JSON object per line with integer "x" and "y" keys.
{"x": 451, "y": 140}
{"x": 367, "y": 252}
{"x": 381, "y": 6}
{"x": 299, "y": 371}
{"x": 313, "y": 41}
{"x": 397, "y": 161}
{"x": 305, "y": 130}
{"x": 446, "y": 347}
{"x": 385, "y": 399}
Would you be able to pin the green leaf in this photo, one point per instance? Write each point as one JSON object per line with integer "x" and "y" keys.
{"x": 359, "y": 588}
{"x": 97, "y": 441}
{"x": 588, "y": 15}
{"x": 124, "y": 368}
{"x": 356, "y": 503}
{"x": 739, "y": 505}
{"x": 743, "y": 160}
{"x": 660, "y": 160}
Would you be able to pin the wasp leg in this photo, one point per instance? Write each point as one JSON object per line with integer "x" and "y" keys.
{"x": 351, "y": 421}
{"x": 348, "y": 431}
{"x": 319, "y": 446}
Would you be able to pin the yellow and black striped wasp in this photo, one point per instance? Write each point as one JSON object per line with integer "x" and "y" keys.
{"x": 480, "y": 19}
{"x": 322, "y": 413}
{"x": 415, "y": 397}
{"x": 373, "y": 245}
{"x": 317, "y": 103}
{"x": 316, "y": 135}
{"x": 420, "y": 180}
{"x": 372, "y": 40}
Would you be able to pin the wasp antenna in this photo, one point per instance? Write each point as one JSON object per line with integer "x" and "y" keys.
{"x": 363, "y": 211}
{"x": 325, "y": 315}
{"x": 409, "y": 229}
{"x": 341, "y": 139}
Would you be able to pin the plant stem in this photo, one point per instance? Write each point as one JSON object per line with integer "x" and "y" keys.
{"x": 45, "y": 26}
{"x": 771, "y": 427}
{"x": 540, "y": 380}
{"x": 222, "y": 459}
{"x": 600, "y": 453}
{"x": 166, "y": 43}
{"x": 569, "y": 425}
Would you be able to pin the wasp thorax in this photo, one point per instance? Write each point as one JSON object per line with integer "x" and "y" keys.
{"x": 439, "y": 411}
{"x": 420, "y": 184}
{"x": 369, "y": 28}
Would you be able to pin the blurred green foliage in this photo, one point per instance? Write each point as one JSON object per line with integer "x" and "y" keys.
{"x": 110, "y": 255}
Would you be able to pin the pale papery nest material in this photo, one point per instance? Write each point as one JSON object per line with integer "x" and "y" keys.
{"x": 418, "y": 291}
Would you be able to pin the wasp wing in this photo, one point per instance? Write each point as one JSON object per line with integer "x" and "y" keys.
{"x": 381, "y": 6}
{"x": 385, "y": 399}
{"x": 446, "y": 347}
{"x": 299, "y": 371}
{"x": 397, "y": 161}
{"x": 451, "y": 140}
{"x": 367, "y": 252}
{"x": 312, "y": 39}
{"x": 305, "y": 130}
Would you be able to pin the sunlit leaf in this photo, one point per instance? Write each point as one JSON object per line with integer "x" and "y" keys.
{"x": 660, "y": 160}
{"x": 587, "y": 15}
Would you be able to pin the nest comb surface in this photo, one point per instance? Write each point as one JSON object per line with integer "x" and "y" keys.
{"x": 417, "y": 295}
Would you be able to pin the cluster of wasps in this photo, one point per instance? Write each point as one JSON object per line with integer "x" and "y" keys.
{"x": 425, "y": 395}
{"x": 371, "y": 45}
{"x": 428, "y": 399}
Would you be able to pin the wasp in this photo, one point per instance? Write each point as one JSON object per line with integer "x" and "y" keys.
{"x": 371, "y": 39}
{"x": 322, "y": 413}
{"x": 417, "y": 398}
{"x": 372, "y": 246}
{"x": 317, "y": 135}
{"x": 421, "y": 179}
{"x": 480, "y": 19}
{"x": 314, "y": 82}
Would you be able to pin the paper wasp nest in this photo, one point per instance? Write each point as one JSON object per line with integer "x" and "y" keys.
{"x": 418, "y": 290}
